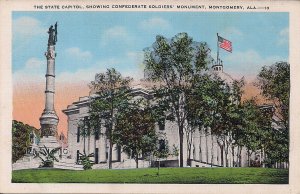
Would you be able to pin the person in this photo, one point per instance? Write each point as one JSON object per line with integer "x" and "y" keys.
{"x": 52, "y": 35}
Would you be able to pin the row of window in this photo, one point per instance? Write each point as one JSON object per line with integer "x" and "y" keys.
{"x": 161, "y": 126}
{"x": 97, "y": 134}
{"x": 218, "y": 68}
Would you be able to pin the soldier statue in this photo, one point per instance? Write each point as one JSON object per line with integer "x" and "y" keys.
{"x": 52, "y": 35}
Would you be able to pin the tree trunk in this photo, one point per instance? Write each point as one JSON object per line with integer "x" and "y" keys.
{"x": 137, "y": 161}
{"x": 188, "y": 151}
{"x": 248, "y": 153}
{"x": 260, "y": 157}
{"x": 263, "y": 158}
{"x": 89, "y": 139}
{"x": 111, "y": 132}
{"x": 158, "y": 166}
{"x": 222, "y": 154}
{"x": 233, "y": 162}
{"x": 95, "y": 149}
{"x": 226, "y": 158}
{"x": 189, "y": 142}
{"x": 200, "y": 151}
{"x": 181, "y": 145}
{"x": 212, "y": 150}
{"x": 226, "y": 155}
{"x": 240, "y": 156}
{"x": 206, "y": 148}
{"x": 84, "y": 144}
{"x": 110, "y": 154}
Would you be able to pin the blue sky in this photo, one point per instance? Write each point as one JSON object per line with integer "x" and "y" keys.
{"x": 90, "y": 42}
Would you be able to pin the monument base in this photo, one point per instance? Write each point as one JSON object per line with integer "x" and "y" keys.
{"x": 49, "y": 141}
{"x": 49, "y": 121}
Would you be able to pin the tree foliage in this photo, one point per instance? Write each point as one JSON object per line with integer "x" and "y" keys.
{"x": 174, "y": 63}
{"x": 21, "y": 138}
{"x": 112, "y": 91}
{"x": 274, "y": 83}
{"x": 135, "y": 129}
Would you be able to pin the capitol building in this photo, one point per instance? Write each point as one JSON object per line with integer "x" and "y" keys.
{"x": 205, "y": 150}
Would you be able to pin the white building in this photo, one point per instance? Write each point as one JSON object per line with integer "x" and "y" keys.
{"x": 205, "y": 151}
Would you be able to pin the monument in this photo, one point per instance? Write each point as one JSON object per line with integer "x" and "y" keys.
{"x": 49, "y": 119}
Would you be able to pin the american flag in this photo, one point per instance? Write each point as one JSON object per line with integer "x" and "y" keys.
{"x": 225, "y": 44}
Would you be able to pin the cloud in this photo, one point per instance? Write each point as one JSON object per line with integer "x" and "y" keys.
{"x": 26, "y": 30}
{"x": 27, "y": 27}
{"x": 136, "y": 57}
{"x": 77, "y": 53}
{"x": 283, "y": 37}
{"x": 155, "y": 22}
{"x": 81, "y": 75}
{"x": 116, "y": 33}
{"x": 248, "y": 63}
{"x": 131, "y": 66}
{"x": 33, "y": 63}
{"x": 86, "y": 74}
{"x": 33, "y": 72}
{"x": 232, "y": 31}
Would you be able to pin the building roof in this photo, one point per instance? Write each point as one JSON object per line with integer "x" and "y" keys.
{"x": 220, "y": 73}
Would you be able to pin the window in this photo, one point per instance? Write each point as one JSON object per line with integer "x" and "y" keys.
{"x": 31, "y": 138}
{"x": 78, "y": 134}
{"x": 162, "y": 145}
{"x": 161, "y": 124}
{"x": 119, "y": 153}
{"x": 97, "y": 131}
{"x": 77, "y": 156}
{"x": 106, "y": 150}
{"x": 96, "y": 155}
{"x": 97, "y": 135}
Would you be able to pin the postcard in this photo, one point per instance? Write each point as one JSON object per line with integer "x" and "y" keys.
{"x": 149, "y": 97}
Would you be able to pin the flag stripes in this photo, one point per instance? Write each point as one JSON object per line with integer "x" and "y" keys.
{"x": 225, "y": 44}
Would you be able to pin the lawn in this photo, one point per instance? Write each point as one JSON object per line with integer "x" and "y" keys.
{"x": 149, "y": 175}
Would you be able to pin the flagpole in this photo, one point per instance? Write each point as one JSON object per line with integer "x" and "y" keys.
{"x": 217, "y": 48}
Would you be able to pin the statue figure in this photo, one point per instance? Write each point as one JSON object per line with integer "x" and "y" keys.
{"x": 52, "y": 35}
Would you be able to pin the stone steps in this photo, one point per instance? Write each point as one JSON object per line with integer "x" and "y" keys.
{"x": 19, "y": 165}
{"x": 69, "y": 166}
{"x": 123, "y": 164}
{"x": 29, "y": 162}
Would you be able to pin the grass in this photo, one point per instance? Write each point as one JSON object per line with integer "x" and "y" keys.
{"x": 149, "y": 175}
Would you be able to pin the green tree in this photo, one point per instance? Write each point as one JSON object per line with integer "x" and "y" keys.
{"x": 172, "y": 64}
{"x": 209, "y": 110}
{"x": 215, "y": 109}
{"x": 162, "y": 150}
{"x": 135, "y": 129}
{"x": 274, "y": 83}
{"x": 21, "y": 138}
{"x": 112, "y": 90}
{"x": 251, "y": 128}
{"x": 199, "y": 108}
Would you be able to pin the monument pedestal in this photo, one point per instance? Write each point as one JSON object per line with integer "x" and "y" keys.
{"x": 50, "y": 142}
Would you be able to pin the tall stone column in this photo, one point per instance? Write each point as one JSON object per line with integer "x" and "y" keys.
{"x": 49, "y": 119}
